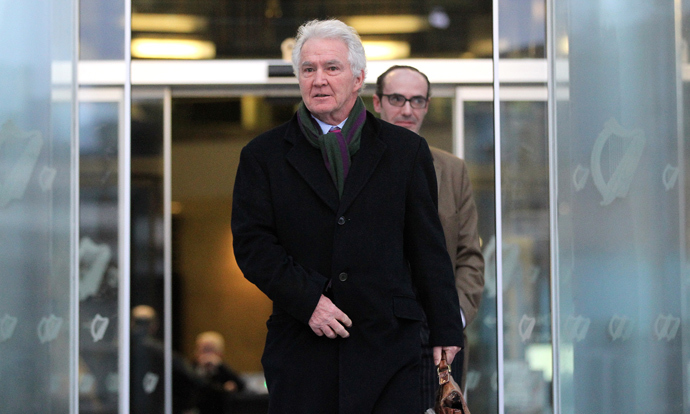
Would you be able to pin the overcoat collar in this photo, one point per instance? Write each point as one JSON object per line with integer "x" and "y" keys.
{"x": 309, "y": 163}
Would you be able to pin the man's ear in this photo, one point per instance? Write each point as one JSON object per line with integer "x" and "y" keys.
{"x": 359, "y": 81}
{"x": 377, "y": 103}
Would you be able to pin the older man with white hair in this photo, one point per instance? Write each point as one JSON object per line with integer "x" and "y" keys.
{"x": 335, "y": 219}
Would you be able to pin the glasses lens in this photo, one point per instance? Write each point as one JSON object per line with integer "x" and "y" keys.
{"x": 396, "y": 100}
{"x": 418, "y": 102}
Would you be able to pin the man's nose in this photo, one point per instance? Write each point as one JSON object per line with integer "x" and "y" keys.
{"x": 320, "y": 78}
{"x": 407, "y": 108}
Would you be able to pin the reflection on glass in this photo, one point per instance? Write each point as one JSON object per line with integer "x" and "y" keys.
{"x": 147, "y": 373}
{"x": 622, "y": 230}
{"x": 98, "y": 252}
{"x": 526, "y": 281}
{"x": 481, "y": 380}
{"x": 245, "y": 29}
{"x": 36, "y": 167}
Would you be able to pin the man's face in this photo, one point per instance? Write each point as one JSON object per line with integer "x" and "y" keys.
{"x": 408, "y": 84}
{"x": 328, "y": 86}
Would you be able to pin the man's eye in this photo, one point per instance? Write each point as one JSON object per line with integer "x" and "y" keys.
{"x": 397, "y": 98}
{"x": 418, "y": 100}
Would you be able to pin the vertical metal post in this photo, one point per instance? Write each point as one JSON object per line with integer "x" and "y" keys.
{"x": 681, "y": 57}
{"x": 551, "y": 57}
{"x": 167, "y": 243}
{"x": 74, "y": 218}
{"x": 124, "y": 226}
{"x": 499, "y": 209}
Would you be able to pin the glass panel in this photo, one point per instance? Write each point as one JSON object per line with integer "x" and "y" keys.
{"x": 526, "y": 281}
{"x": 620, "y": 208}
{"x": 98, "y": 256}
{"x": 523, "y": 29}
{"x": 102, "y": 32}
{"x": 245, "y": 29}
{"x": 147, "y": 255}
{"x": 482, "y": 396}
{"x": 36, "y": 116}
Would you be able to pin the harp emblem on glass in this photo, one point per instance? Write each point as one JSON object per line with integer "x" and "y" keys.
{"x": 19, "y": 151}
{"x": 615, "y": 157}
{"x": 150, "y": 382}
{"x": 7, "y": 325}
{"x": 620, "y": 327}
{"x": 576, "y": 327}
{"x": 49, "y": 328}
{"x": 666, "y": 327}
{"x": 99, "y": 325}
{"x": 669, "y": 177}
{"x": 526, "y": 327}
{"x": 580, "y": 176}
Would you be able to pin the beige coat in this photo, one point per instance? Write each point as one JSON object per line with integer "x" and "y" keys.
{"x": 458, "y": 215}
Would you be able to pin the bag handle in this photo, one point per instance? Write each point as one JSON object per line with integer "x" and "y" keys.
{"x": 443, "y": 370}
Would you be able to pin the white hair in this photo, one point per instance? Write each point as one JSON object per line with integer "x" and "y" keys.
{"x": 331, "y": 29}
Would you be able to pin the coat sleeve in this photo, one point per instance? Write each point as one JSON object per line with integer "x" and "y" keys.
{"x": 432, "y": 271}
{"x": 260, "y": 256}
{"x": 469, "y": 262}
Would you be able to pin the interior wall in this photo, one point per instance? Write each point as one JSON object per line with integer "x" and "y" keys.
{"x": 214, "y": 293}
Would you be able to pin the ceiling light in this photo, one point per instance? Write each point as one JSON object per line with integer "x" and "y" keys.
{"x": 401, "y": 23}
{"x": 152, "y": 48}
{"x": 386, "y": 49}
{"x": 168, "y": 23}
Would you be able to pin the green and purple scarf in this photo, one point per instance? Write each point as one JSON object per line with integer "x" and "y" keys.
{"x": 338, "y": 146}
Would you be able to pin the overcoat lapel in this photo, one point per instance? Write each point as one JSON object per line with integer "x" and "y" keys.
{"x": 309, "y": 163}
{"x": 363, "y": 164}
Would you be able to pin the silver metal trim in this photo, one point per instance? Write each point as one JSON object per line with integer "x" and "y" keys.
{"x": 459, "y": 125}
{"x": 551, "y": 85}
{"x": 499, "y": 209}
{"x": 167, "y": 243}
{"x": 124, "y": 225}
{"x": 74, "y": 219}
{"x": 681, "y": 75}
{"x": 255, "y": 72}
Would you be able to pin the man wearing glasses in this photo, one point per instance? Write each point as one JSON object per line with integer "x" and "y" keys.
{"x": 402, "y": 98}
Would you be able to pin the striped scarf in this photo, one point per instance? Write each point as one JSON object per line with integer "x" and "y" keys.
{"x": 337, "y": 147}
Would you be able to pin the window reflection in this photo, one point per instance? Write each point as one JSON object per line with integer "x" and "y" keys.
{"x": 98, "y": 257}
{"x": 249, "y": 29}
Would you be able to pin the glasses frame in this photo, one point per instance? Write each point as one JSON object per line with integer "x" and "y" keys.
{"x": 413, "y": 106}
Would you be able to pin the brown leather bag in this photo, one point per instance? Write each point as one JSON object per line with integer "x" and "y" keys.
{"x": 449, "y": 399}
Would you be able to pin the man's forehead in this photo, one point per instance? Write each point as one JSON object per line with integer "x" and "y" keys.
{"x": 407, "y": 79}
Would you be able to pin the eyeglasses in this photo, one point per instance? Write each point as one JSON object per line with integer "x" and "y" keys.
{"x": 416, "y": 102}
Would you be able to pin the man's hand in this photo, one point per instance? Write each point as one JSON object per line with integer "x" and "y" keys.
{"x": 450, "y": 353}
{"x": 328, "y": 320}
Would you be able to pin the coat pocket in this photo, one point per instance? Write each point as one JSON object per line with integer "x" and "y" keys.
{"x": 407, "y": 308}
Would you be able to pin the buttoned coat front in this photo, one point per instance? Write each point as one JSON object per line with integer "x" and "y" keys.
{"x": 378, "y": 251}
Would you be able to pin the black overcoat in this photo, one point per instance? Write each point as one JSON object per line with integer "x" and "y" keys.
{"x": 382, "y": 248}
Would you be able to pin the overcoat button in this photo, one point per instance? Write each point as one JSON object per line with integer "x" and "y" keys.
{"x": 342, "y": 277}
{"x": 341, "y": 220}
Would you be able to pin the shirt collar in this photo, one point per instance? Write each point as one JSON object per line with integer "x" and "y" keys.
{"x": 325, "y": 127}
